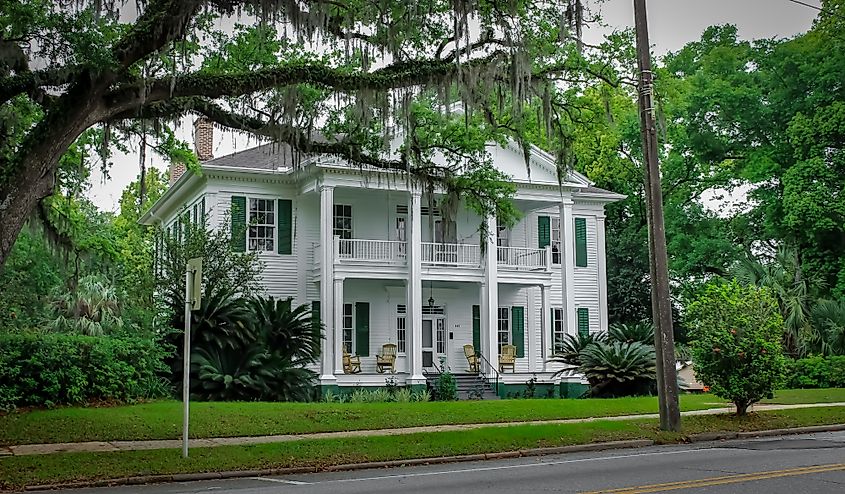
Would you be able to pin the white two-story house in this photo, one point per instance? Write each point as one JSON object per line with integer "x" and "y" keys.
{"x": 370, "y": 253}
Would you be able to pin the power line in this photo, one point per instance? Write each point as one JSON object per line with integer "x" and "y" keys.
{"x": 817, "y": 7}
{"x": 799, "y": 2}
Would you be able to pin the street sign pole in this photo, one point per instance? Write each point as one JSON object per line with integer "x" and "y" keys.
{"x": 193, "y": 295}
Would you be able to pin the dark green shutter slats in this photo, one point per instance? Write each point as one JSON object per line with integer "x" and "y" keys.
{"x": 581, "y": 242}
{"x": 285, "y": 218}
{"x": 518, "y": 330}
{"x": 238, "y": 217}
{"x": 316, "y": 322}
{"x": 202, "y": 212}
{"x": 552, "y": 333}
{"x": 362, "y": 329}
{"x": 583, "y": 321}
{"x": 544, "y": 231}
{"x": 476, "y": 328}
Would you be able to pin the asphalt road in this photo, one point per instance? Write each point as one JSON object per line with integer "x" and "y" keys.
{"x": 806, "y": 464}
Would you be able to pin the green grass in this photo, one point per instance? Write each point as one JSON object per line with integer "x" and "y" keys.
{"x": 162, "y": 420}
{"x": 17, "y": 472}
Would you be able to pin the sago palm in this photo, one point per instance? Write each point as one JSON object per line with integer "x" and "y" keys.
{"x": 640, "y": 332}
{"x": 616, "y": 369}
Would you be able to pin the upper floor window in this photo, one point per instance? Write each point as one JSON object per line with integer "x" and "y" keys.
{"x": 555, "y": 237}
{"x": 262, "y": 221}
{"x": 503, "y": 235}
{"x": 343, "y": 221}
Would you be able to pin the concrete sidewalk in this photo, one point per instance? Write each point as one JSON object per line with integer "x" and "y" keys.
{"x": 108, "y": 446}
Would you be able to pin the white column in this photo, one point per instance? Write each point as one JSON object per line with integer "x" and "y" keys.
{"x": 567, "y": 271}
{"x": 327, "y": 305}
{"x": 413, "y": 303}
{"x": 338, "y": 323}
{"x": 490, "y": 347}
{"x": 602, "y": 265}
{"x": 546, "y": 350}
{"x": 532, "y": 326}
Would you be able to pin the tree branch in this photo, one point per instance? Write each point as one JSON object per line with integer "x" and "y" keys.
{"x": 31, "y": 82}
{"x": 396, "y": 75}
{"x": 162, "y": 22}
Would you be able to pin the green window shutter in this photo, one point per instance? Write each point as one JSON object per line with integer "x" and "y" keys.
{"x": 581, "y": 242}
{"x": 552, "y": 330}
{"x": 518, "y": 330}
{"x": 316, "y": 322}
{"x": 362, "y": 329}
{"x": 476, "y": 328}
{"x": 285, "y": 219}
{"x": 544, "y": 231}
{"x": 583, "y": 321}
{"x": 202, "y": 212}
{"x": 238, "y": 217}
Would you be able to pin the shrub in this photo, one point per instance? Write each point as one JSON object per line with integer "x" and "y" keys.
{"x": 816, "y": 372}
{"x": 66, "y": 369}
{"x": 447, "y": 387}
{"x": 618, "y": 369}
{"x": 736, "y": 336}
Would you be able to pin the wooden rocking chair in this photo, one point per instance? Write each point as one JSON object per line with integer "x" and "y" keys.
{"x": 387, "y": 359}
{"x": 472, "y": 358}
{"x": 351, "y": 364}
{"x": 507, "y": 358}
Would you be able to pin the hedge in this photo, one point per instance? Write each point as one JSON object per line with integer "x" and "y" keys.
{"x": 45, "y": 370}
{"x": 817, "y": 372}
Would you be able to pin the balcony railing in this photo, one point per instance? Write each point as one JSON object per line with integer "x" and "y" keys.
{"x": 523, "y": 258}
{"x": 381, "y": 251}
{"x": 467, "y": 255}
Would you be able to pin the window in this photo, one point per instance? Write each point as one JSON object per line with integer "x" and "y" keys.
{"x": 558, "y": 329}
{"x": 401, "y": 234}
{"x": 504, "y": 328}
{"x": 503, "y": 235}
{"x": 556, "y": 252}
{"x": 347, "y": 328}
{"x": 400, "y": 329}
{"x": 262, "y": 221}
{"x": 343, "y": 221}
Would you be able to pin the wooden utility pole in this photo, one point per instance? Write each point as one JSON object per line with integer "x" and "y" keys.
{"x": 661, "y": 304}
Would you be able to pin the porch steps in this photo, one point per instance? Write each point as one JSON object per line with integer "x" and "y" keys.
{"x": 470, "y": 387}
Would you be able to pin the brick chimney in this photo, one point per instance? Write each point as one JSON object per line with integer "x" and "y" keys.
{"x": 203, "y": 145}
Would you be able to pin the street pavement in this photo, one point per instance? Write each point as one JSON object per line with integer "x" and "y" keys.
{"x": 806, "y": 464}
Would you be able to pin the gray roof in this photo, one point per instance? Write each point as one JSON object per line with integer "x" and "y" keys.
{"x": 596, "y": 190}
{"x": 271, "y": 156}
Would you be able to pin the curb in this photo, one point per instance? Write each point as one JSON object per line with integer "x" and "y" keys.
{"x": 629, "y": 444}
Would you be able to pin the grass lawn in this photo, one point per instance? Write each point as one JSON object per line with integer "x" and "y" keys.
{"x": 17, "y": 472}
{"x": 162, "y": 420}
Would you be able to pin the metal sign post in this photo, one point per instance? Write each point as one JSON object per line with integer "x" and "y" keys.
{"x": 193, "y": 296}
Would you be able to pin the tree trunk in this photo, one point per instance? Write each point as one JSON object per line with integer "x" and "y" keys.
{"x": 31, "y": 175}
{"x": 742, "y": 408}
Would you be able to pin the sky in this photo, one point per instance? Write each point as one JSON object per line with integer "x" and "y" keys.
{"x": 672, "y": 23}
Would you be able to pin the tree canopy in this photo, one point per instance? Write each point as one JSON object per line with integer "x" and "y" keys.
{"x": 87, "y": 76}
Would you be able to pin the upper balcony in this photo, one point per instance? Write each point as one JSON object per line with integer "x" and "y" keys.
{"x": 369, "y": 257}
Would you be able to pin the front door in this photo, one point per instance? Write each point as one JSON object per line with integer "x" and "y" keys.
{"x": 434, "y": 341}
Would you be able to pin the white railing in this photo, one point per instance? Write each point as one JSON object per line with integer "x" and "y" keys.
{"x": 384, "y": 251}
{"x": 522, "y": 257}
{"x": 451, "y": 254}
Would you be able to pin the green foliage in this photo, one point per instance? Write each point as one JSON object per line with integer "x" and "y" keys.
{"x": 569, "y": 351}
{"x": 618, "y": 369}
{"x": 446, "y": 387}
{"x": 828, "y": 322}
{"x": 816, "y": 372}
{"x": 736, "y": 336}
{"x": 379, "y": 395}
{"x": 640, "y": 332}
{"x": 31, "y": 273}
{"x": 92, "y": 309}
{"x": 62, "y": 369}
{"x": 266, "y": 361}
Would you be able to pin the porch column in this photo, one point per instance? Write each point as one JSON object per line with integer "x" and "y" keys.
{"x": 413, "y": 302}
{"x": 567, "y": 268}
{"x": 327, "y": 305}
{"x": 338, "y": 323}
{"x": 490, "y": 289}
{"x": 602, "y": 265}
{"x": 531, "y": 327}
{"x": 546, "y": 350}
